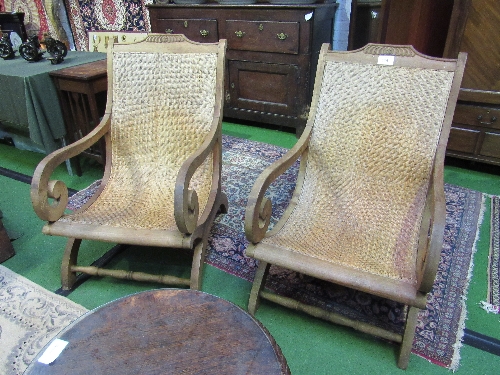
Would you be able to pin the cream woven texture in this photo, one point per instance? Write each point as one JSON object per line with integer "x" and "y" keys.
{"x": 163, "y": 106}
{"x": 371, "y": 153}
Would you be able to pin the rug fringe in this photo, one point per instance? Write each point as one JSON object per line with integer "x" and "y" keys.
{"x": 455, "y": 361}
{"x": 489, "y": 308}
{"x": 492, "y": 297}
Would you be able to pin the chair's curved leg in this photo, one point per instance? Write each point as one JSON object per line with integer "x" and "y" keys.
{"x": 200, "y": 248}
{"x": 258, "y": 284}
{"x": 68, "y": 277}
{"x": 409, "y": 334}
{"x": 198, "y": 264}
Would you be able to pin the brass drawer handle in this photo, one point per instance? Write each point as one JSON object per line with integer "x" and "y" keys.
{"x": 480, "y": 117}
{"x": 282, "y": 36}
{"x": 185, "y": 23}
{"x": 169, "y": 31}
{"x": 239, "y": 34}
{"x": 204, "y": 33}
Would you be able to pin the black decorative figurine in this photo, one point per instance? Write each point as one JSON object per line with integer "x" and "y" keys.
{"x": 6, "y": 50}
{"x": 56, "y": 49}
{"x": 30, "y": 50}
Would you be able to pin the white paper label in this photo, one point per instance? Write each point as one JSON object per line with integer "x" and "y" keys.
{"x": 52, "y": 352}
{"x": 386, "y": 60}
{"x": 308, "y": 16}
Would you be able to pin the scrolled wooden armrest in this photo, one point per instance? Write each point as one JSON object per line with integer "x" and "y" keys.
{"x": 42, "y": 189}
{"x": 429, "y": 255}
{"x": 186, "y": 205}
{"x": 259, "y": 208}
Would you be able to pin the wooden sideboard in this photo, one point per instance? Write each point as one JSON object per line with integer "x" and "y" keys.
{"x": 475, "y": 132}
{"x": 272, "y": 53}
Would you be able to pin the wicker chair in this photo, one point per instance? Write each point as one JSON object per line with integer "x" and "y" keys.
{"x": 161, "y": 184}
{"x": 368, "y": 211}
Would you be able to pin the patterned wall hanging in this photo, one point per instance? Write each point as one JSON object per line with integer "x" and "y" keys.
{"x": 109, "y": 15}
{"x": 40, "y": 16}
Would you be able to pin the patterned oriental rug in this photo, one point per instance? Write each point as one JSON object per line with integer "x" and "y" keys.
{"x": 493, "y": 302}
{"x": 29, "y": 318}
{"x": 440, "y": 328}
{"x": 111, "y": 15}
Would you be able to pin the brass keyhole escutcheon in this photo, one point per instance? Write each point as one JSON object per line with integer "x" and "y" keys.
{"x": 239, "y": 33}
{"x": 232, "y": 85}
{"x": 185, "y": 23}
{"x": 261, "y": 27}
{"x": 204, "y": 33}
{"x": 282, "y": 36}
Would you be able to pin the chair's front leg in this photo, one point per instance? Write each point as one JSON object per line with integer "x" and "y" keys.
{"x": 68, "y": 277}
{"x": 258, "y": 284}
{"x": 198, "y": 264}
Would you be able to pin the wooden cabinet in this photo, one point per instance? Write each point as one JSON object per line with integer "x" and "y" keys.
{"x": 475, "y": 133}
{"x": 272, "y": 53}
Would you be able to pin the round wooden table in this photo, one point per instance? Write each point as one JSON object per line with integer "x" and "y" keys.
{"x": 166, "y": 331}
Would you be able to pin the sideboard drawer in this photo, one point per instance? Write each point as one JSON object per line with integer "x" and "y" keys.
{"x": 490, "y": 146}
{"x": 199, "y": 30}
{"x": 463, "y": 140}
{"x": 263, "y": 36}
{"x": 477, "y": 116}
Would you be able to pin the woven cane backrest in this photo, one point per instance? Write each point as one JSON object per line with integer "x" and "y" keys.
{"x": 371, "y": 153}
{"x": 162, "y": 110}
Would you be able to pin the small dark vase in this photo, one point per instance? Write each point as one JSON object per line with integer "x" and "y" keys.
{"x": 30, "y": 50}
{"x": 6, "y": 50}
{"x": 56, "y": 49}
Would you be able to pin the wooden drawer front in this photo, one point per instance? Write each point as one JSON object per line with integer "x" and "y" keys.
{"x": 463, "y": 140}
{"x": 199, "y": 30}
{"x": 263, "y": 87}
{"x": 263, "y": 36}
{"x": 491, "y": 145}
{"x": 477, "y": 116}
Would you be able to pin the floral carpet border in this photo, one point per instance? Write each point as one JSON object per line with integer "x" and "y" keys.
{"x": 492, "y": 303}
{"x": 30, "y": 316}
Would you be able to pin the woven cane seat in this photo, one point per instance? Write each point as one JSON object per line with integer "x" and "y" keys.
{"x": 370, "y": 159}
{"x": 368, "y": 210}
{"x": 152, "y": 133}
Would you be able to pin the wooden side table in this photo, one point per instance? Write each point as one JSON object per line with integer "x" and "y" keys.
{"x": 78, "y": 88}
{"x": 166, "y": 331}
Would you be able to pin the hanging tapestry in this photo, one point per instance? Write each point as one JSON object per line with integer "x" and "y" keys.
{"x": 40, "y": 17}
{"x": 109, "y": 15}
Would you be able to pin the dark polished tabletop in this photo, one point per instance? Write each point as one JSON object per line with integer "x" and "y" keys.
{"x": 166, "y": 331}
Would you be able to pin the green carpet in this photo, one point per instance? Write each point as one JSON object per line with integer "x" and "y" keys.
{"x": 310, "y": 345}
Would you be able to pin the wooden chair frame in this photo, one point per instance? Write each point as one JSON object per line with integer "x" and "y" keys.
{"x": 259, "y": 209}
{"x": 50, "y": 197}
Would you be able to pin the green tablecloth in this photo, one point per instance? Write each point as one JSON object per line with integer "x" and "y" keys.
{"x": 29, "y": 104}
